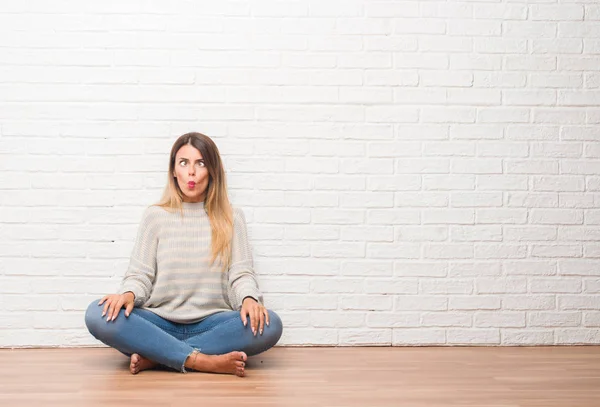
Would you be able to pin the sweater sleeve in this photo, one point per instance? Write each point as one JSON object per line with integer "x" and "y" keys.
{"x": 139, "y": 277}
{"x": 242, "y": 278}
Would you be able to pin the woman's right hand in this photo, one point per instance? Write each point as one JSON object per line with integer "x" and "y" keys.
{"x": 114, "y": 302}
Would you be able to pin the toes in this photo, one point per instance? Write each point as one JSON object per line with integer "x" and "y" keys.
{"x": 239, "y": 364}
{"x": 241, "y": 356}
{"x": 133, "y": 364}
{"x": 240, "y": 372}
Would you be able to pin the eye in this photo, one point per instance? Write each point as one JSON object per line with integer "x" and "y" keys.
{"x": 182, "y": 163}
{"x": 200, "y": 164}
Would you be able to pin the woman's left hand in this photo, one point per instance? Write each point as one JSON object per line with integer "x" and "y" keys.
{"x": 257, "y": 312}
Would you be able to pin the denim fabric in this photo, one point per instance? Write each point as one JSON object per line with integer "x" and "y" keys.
{"x": 169, "y": 343}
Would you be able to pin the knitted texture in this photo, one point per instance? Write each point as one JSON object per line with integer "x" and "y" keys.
{"x": 170, "y": 272}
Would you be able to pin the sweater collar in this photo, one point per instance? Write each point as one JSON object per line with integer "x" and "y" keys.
{"x": 193, "y": 206}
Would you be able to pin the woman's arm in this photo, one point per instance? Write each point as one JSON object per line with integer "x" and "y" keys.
{"x": 242, "y": 278}
{"x": 140, "y": 274}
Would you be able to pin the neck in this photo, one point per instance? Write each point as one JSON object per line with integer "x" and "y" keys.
{"x": 193, "y": 205}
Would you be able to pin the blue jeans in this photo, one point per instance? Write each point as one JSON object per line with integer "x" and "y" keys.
{"x": 169, "y": 343}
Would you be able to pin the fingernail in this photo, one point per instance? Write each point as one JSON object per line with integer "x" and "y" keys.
{"x": 261, "y": 331}
{"x": 103, "y": 313}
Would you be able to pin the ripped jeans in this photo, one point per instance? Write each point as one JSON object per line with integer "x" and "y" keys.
{"x": 169, "y": 343}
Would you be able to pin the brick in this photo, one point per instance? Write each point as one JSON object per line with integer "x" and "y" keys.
{"x": 502, "y": 319}
{"x": 474, "y": 27}
{"x": 422, "y": 199}
{"x": 336, "y": 285}
{"x": 394, "y": 183}
{"x": 367, "y": 268}
{"x": 530, "y": 233}
{"x": 448, "y": 182}
{"x": 337, "y": 319}
{"x": 313, "y": 199}
{"x": 545, "y": 268}
{"x": 379, "y": 337}
{"x": 387, "y": 286}
{"x": 421, "y": 233}
{"x": 574, "y": 336}
{"x": 527, "y": 336}
{"x": 478, "y": 336}
{"x": 556, "y": 250}
{"x": 559, "y": 46}
{"x": 338, "y": 250}
{"x": 400, "y": 250}
{"x": 418, "y": 336}
{"x": 476, "y": 233}
{"x": 474, "y": 303}
{"x": 448, "y": 216}
{"x": 547, "y": 285}
{"x": 447, "y": 251}
{"x": 501, "y": 286}
{"x": 582, "y": 267}
{"x": 420, "y": 303}
{"x": 543, "y": 12}
{"x": 493, "y": 45}
{"x": 366, "y": 302}
{"x": 556, "y": 216}
{"x": 528, "y": 302}
{"x": 535, "y": 199}
{"x": 446, "y": 319}
{"x": 367, "y": 233}
{"x": 311, "y": 232}
{"x": 446, "y": 286}
{"x": 393, "y": 320}
{"x": 502, "y": 149}
{"x": 474, "y": 269}
{"x": 419, "y": 269}
{"x": 500, "y": 251}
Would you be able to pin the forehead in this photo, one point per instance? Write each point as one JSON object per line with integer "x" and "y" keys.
{"x": 189, "y": 151}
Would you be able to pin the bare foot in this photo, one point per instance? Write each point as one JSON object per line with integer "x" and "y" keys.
{"x": 231, "y": 363}
{"x": 139, "y": 363}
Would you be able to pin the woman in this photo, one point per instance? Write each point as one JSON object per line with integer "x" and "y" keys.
{"x": 190, "y": 295}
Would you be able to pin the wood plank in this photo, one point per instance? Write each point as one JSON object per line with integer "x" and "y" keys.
{"x": 356, "y": 376}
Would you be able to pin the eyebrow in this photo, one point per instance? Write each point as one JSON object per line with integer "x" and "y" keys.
{"x": 184, "y": 158}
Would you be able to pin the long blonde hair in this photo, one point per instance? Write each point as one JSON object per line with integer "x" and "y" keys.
{"x": 216, "y": 203}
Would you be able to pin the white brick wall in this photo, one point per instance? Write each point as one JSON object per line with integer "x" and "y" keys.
{"x": 413, "y": 172}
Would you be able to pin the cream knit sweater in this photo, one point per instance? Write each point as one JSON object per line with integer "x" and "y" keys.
{"x": 169, "y": 271}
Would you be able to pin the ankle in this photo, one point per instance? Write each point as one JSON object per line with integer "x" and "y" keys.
{"x": 191, "y": 360}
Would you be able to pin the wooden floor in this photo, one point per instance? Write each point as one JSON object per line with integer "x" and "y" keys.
{"x": 371, "y": 377}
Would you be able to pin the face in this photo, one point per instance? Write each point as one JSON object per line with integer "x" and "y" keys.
{"x": 191, "y": 173}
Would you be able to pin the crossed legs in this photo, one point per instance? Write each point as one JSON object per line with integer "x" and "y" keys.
{"x": 220, "y": 343}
